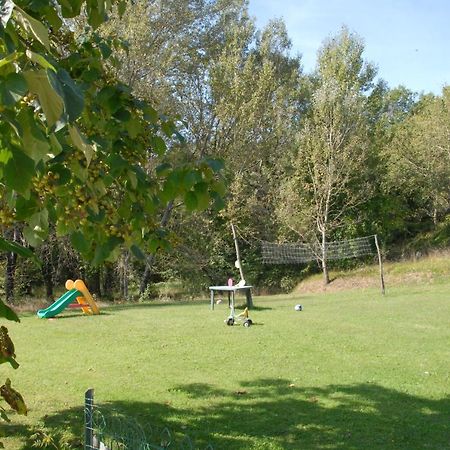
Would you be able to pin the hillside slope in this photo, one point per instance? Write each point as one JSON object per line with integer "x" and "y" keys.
{"x": 426, "y": 270}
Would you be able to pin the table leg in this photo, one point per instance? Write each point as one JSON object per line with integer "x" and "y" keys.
{"x": 248, "y": 294}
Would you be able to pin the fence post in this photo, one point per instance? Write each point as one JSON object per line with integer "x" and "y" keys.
{"x": 88, "y": 419}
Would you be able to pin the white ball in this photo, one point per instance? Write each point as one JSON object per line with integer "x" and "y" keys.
{"x": 298, "y": 307}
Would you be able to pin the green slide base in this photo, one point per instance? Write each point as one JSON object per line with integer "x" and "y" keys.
{"x": 59, "y": 305}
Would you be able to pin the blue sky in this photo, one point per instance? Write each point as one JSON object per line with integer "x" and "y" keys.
{"x": 409, "y": 41}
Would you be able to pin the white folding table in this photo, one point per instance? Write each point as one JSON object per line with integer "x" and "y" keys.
{"x": 231, "y": 290}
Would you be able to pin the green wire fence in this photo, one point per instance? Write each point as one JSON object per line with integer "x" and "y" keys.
{"x": 108, "y": 430}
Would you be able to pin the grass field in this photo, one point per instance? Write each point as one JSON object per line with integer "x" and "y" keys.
{"x": 353, "y": 370}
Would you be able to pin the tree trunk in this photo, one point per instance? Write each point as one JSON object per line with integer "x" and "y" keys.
{"x": 11, "y": 259}
{"x": 94, "y": 282}
{"x": 326, "y": 277}
{"x": 148, "y": 272}
{"x": 11, "y": 264}
{"x": 108, "y": 280}
{"x": 47, "y": 275}
{"x": 125, "y": 276}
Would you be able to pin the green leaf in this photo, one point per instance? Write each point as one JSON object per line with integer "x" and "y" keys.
{"x": 121, "y": 8}
{"x": 53, "y": 18}
{"x": 18, "y": 172}
{"x": 80, "y": 142}
{"x": 105, "y": 49}
{"x": 9, "y": 59}
{"x": 102, "y": 252}
{"x": 154, "y": 244}
{"x": 168, "y": 128}
{"x": 169, "y": 191}
{"x": 35, "y": 143}
{"x": 122, "y": 114}
{"x": 219, "y": 187}
{"x": 190, "y": 178}
{"x": 190, "y": 201}
{"x": 8, "y": 313}
{"x": 32, "y": 27}
{"x": 158, "y": 145}
{"x": 79, "y": 171}
{"x": 72, "y": 95}
{"x": 133, "y": 179}
{"x": 52, "y": 104}
{"x": 6, "y": 419}
{"x": 201, "y": 191}
{"x": 163, "y": 169}
{"x": 79, "y": 242}
{"x": 39, "y": 59}
{"x": 8, "y": 246}
{"x": 95, "y": 16}
{"x": 26, "y": 207}
{"x": 61, "y": 228}
{"x": 137, "y": 252}
{"x": 56, "y": 146}
{"x": 37, "y": 229}
{"x": 150, "y": 114}
{"x": 117, "y": 163}
{"x": 12, "y": 89}
{"x": 216, "y": 164}
{"x": 100, "y": 187}
{"x": 133, "y": 127}
{"x": 109, "y": 98}
{"x": 5, "y": 155}
{"x": 13, "y": 362}
{"x": 218, "y": 201}
{"x": 70, "y": 8}
{"x": 63, "y": 172}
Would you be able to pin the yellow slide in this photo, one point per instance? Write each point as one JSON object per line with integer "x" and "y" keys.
{"x": 86, "y": 301}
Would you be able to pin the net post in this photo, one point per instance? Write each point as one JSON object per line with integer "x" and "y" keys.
{"x": 88, "y": 419}
{"x": 380, "y": 262}
{"x": 238, "y": 255}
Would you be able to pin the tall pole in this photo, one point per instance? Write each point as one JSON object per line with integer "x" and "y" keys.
{"x": 238, "y": 255}
{"x": 380, "y": 262}
{"x": 248, "y": 291}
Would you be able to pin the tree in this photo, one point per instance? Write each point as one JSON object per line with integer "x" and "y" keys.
{"x": 419, "y": 158}
{"x": 327, "y": 178}
{"x": 239, "y": 91}
{"x": 78, "y": 151}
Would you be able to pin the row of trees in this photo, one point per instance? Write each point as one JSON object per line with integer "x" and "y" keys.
{"x": 315, "y": 157}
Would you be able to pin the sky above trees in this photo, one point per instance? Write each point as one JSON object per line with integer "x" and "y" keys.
{"x": 406, "y": 39}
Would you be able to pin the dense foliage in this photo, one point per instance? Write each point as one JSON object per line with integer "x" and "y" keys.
{"x": 80, "y": 155}
{"x": 333, "y": 154}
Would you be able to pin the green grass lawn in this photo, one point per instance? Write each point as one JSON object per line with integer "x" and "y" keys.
{"x": 353, "y": 370}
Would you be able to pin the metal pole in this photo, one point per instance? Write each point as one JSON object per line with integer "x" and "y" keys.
{"x": 238, "y": 256}
{"x": 88, "y": 419}
{"x": 380, "y": 262}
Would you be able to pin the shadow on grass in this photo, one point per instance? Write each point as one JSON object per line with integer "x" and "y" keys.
{"x": 78, "y": 315}
{"x": 274, "y": 414}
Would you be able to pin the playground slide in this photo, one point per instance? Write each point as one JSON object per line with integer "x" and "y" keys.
{"x": 59, "y": 304}
{"x": 87, "y": 299}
